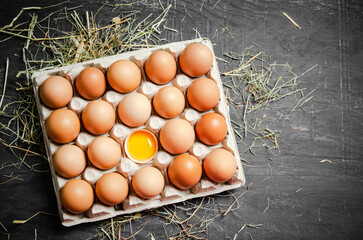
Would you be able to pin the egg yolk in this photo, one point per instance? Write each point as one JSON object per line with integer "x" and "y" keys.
{"x": 141, "y": 145}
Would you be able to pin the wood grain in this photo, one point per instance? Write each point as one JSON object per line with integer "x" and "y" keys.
{"x": 308, "y": 198}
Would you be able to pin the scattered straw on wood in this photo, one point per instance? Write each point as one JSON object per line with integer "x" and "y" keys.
{"x": 291, "y": 20}
{"x": 253, "y": 85}
{"x": 30, "y": 218}
{"x": 48, "y": 46}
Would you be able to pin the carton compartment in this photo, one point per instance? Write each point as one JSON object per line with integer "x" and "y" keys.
{"x": 119, "y": 132}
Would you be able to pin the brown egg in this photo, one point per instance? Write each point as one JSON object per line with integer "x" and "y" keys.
{"x": 62, "y": 126}
{"x": 211, "y": 128}
{"x": 160, "y": 67}
{"x": 220, "y": 165}
{"x": 112, "y": 188}
{"x": 177, "y": 136}
{"x": 98, "y": 117}
{"x": 56, "y": 92}
{"x": 134, "y": 109}
{"x": 185, "y": 171}
{"x": 169, "y": 102}
{"x": 196, "y": 60}
{"x": 91, "y": 83}
{"x": 104, "y": 152}
{"x": 148, "y": 182}
{"x": 203, "y": 94}
{"x": 76, "y": 196}
{"x": 124, "y": 76}
{"x": 69, "y": 161}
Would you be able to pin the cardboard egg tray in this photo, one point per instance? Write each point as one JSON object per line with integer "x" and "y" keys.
{"x": 119, "y": 132}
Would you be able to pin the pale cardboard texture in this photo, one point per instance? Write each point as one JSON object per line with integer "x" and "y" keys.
{"x": 119, "y": 132}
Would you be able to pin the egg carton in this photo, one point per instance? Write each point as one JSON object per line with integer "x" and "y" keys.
{"x": 119, "y": 132}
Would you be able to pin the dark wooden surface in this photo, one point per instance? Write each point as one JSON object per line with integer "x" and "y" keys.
{"x": 308, "y": 198}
